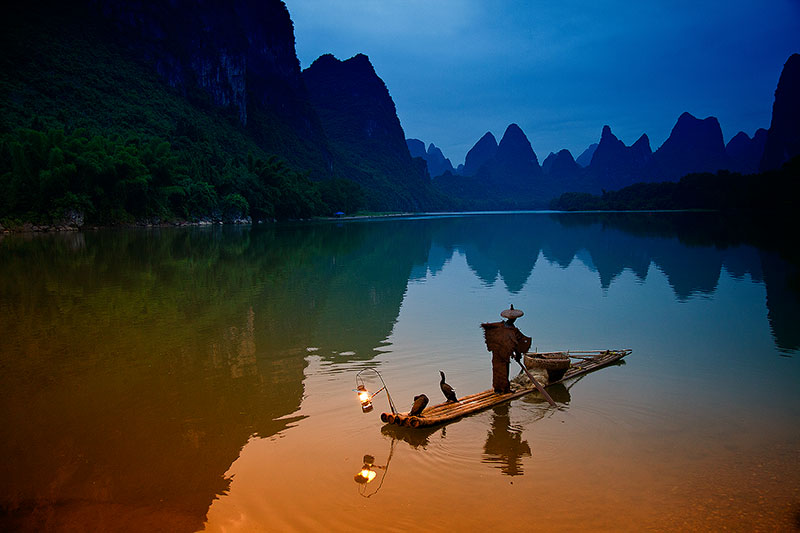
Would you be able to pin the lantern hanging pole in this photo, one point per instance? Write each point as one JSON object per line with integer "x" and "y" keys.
{"x": 360, "y": 381}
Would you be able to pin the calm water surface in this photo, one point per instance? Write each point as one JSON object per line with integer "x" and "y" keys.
{"x": 201, "y": 379}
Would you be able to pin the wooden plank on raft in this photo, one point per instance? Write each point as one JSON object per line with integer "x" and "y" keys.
{"x": 444, "y": 412}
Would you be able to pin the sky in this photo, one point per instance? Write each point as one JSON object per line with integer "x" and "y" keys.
{"x": 560, "y": 69}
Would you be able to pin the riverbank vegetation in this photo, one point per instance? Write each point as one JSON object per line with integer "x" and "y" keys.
{"x": 85, "y": 131}
{"x": 108, "y": 179}
{"x": 773, "y": 190}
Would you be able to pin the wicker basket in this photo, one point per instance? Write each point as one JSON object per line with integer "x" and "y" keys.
{"x": 556, "y": 363}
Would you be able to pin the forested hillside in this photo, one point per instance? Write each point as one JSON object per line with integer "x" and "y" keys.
{"x": 774, "y": 190}
{"x": 89, "y": 131}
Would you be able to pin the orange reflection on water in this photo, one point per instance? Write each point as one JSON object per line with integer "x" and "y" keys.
{"x": 567, "y": 470}
{"x": 160, "y": 380}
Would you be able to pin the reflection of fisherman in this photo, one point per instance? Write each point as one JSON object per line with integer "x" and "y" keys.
{"x": 504, "y": 444}
{"x": 504, "y": 340}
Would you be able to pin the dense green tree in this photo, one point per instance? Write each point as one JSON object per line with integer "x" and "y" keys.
{"x": 724, "y": 190}
{"x": 44, "y": 175}
{"x": 85, "y": 129}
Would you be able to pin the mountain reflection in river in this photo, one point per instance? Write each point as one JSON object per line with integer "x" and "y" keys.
{"x": 138, "y": 364}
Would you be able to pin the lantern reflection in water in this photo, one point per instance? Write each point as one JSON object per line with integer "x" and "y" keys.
{"x": 368, "y": 473}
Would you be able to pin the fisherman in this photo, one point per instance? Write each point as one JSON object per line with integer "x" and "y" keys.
{"x": 505, "y": 341}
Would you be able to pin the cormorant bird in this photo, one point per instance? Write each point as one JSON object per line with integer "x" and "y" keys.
{"x": 420, "y": 401}
{"x": 447, "y": 390}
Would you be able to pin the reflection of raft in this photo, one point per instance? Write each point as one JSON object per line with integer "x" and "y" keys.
{"x": 581, "y": 363}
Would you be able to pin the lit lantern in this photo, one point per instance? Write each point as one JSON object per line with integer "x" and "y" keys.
{"x": 365, "y": 399}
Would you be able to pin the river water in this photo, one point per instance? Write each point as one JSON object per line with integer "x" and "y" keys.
{"x": 195, "y": 379}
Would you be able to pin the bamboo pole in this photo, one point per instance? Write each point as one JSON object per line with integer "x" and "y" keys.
{"x": 450, "y": 414}
{"x": 448, "y": 411}
{"x": 454, "y": 407}
{"x": 585, "y": 357}
{"x": 442, "y": 407}
{"x": 472, "y": 403}
{"x": 431, "y": 421}
{"x": 460, "y": 410}
{"x": 612, "y": 357}
{"x": 445, "y": 412}
{"x": 464, "y": 411}
{"x": 463, "y": 401}
{"x": 538, "y": 386}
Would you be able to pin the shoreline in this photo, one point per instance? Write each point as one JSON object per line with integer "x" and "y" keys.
{"x": 72, "y": 226}
{"x": 67, "y": 226}
{"x": 29, "y": 227}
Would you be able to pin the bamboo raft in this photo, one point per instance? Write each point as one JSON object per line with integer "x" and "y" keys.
{"x": 585, "y": 362}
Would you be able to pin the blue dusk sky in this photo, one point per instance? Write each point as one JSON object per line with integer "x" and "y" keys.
{"x": 560, "y": 69}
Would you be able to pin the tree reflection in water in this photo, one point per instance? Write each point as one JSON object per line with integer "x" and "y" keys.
{"x": 137, "y": 364}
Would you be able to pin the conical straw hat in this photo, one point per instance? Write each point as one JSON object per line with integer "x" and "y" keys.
{"x": 511, "y": 312}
